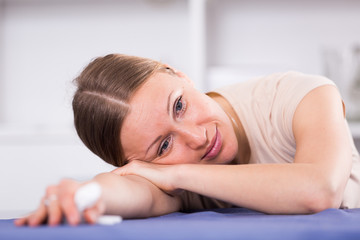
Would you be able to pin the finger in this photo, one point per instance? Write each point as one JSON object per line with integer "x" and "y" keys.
{"x": 39, "y": 216}
{"x": 54, "y": 212}
{"x": 52, "y": 203}
{"x": 67, "y": 190}
{"x": 70, "y": 211}
{"x": 92, "y": 214}
{"x": 21, "y": 221}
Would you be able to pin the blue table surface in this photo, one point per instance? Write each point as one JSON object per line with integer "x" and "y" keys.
{"x": 230, "y": 223}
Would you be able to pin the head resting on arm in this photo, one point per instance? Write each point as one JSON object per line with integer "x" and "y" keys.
{"x": 100, "y": 103}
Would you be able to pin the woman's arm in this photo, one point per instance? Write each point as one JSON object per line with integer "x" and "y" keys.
{"x": 135, "y": 197}
{"x": 127, "y": 196}
{"x": 314, "y": 182}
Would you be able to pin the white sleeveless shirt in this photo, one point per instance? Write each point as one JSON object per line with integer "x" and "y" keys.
{"x": 266, "y": 106}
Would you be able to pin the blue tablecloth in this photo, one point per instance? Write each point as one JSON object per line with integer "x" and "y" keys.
{"x": 231, "y": 223}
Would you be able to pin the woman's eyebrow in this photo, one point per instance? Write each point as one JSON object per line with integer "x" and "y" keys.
{"x": 168, "y": 112}
{"x": 168, "y": 102}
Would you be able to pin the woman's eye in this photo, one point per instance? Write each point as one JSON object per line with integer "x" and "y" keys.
{"x": 179, "y": 106}
{"x": 164, "y": 146}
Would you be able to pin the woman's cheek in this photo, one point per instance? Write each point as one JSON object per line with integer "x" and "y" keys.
{"x": 182, "y": 155}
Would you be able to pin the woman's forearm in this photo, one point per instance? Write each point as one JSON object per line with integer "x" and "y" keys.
{"x": 271, "y": 188}
{"x": 134, "y": 197}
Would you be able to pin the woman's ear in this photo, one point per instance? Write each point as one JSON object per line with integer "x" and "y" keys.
{"x": 181, "y": 75}
{"x": 185, "y": 77}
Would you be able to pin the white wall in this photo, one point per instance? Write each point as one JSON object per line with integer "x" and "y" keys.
{"x": 280, "y": 32}
{"x": 250, "y": 38}
{"x": 277, "y": 35}
{"x": 2, "y": 98}
{"x": 44, "y": 44}
{"x": 29, "y": 165}
{"x": 47, "y": 43}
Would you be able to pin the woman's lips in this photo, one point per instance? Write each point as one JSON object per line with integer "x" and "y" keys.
{"x": 215, "y": 146}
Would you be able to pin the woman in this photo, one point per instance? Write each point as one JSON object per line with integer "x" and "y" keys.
{"x": 179, "y": 149}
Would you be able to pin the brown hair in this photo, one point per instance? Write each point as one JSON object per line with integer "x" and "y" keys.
{"x": 100, "y": 102}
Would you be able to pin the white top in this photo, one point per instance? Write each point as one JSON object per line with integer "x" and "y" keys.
{"x": 266, "y": 106}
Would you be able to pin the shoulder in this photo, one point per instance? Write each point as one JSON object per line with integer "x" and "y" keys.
{"x": 319, "y": 124}
{"x": 322, "y": 105}
{"x": 298, "y": 82}
{"x": 277, "y": 82}
{"x": 293, "y": 87}
{"x": 320, "y": 110}
{"x": 290, "y": 90}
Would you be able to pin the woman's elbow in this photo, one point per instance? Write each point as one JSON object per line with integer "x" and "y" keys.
{"x": 322, "y": 200}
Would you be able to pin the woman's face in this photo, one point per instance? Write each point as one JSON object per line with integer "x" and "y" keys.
{"x": 170, "y": 122}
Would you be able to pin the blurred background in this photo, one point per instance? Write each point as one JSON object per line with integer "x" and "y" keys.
{"x": 44, "y": 44}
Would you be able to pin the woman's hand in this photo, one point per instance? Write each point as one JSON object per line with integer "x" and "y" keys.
{"x": 163, "y": 176}
{"x": 58, "y": 203}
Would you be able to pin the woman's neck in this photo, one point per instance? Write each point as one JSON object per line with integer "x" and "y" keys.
{"x": 243, "y": 154}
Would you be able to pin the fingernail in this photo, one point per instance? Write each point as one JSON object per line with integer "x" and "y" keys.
{"x": 32, "y": 222}
{"x": 52, "y": 221}
{"x": 17, "y": 222}
{"x": 92, "y": 217}
{"x": 73, "y": 220}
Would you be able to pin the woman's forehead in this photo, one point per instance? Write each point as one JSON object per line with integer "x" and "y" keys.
{"x": 155, "y": 88}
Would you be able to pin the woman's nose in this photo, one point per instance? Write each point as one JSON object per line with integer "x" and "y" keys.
{"x": 194, "y": 136}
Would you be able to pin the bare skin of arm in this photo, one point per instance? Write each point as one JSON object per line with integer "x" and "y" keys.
{"x": 127, "y": 196}
{"x": 135, "y": 197}
{"x": 314, "y": 182}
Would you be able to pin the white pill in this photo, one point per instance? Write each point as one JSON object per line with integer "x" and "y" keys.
{"x": 109, "y": 220}
{"x": 87, "y": 196}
